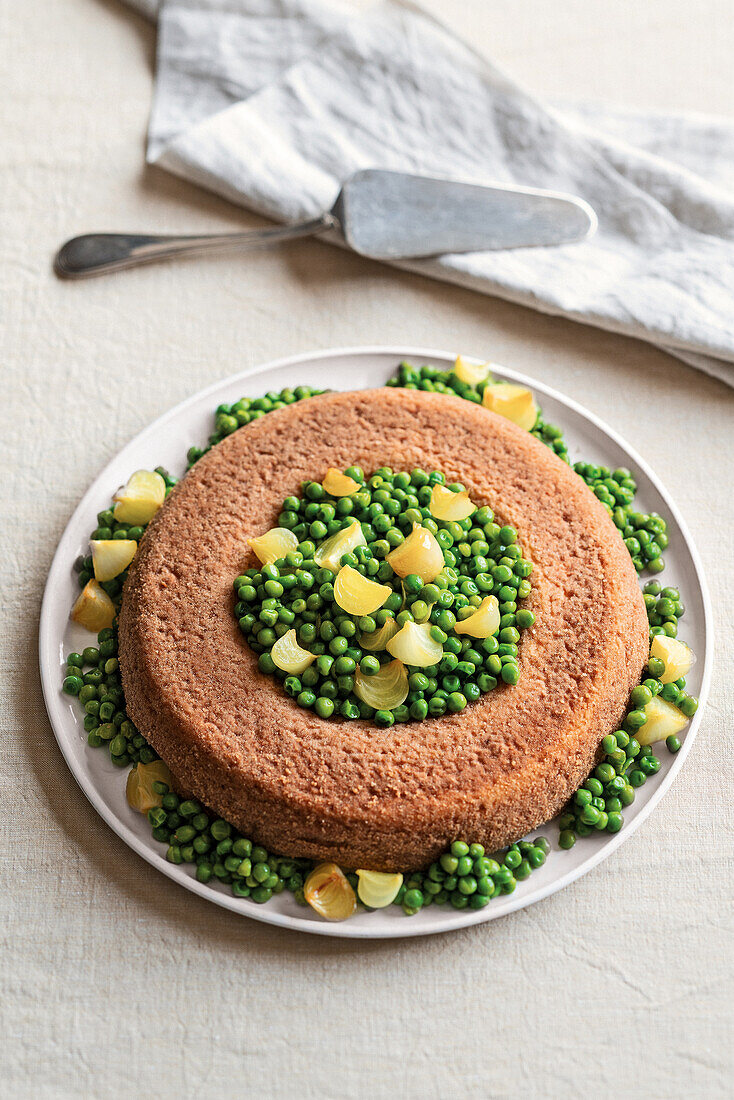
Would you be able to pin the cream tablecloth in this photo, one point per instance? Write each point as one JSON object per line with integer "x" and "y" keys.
{"x": 114, "y": 982}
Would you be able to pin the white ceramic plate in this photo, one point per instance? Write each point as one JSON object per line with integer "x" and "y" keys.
{"x": 165, "y": 443}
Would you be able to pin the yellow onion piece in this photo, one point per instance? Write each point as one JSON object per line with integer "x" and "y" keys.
{"x": 447, "y": 505}
{"x": 661, "y": 720}
{"x": 289, "y": 656}
{"x": 420, "y": 553}
{"x": 331, "y": 551}
{"x": 377, "y": 640}
{"x": 470, "y": 373}
{"x": 274, "y": 544}
{"x": 413, "y": 645}
{"x": 139, "y": 790}
{"x": 384, "y": 691}
{"x": 328, "y": 892}
{"x": 94, "y": 609}
{"x": 110, "y": 557}
{"x": 484, "y": 622}
{"x": 358, "y": 595}
{"x": 141, "y": 498}
{"x": 515, "y": 402}
{"x": 337, "y": 484}
{"x": 678, "y": 658}
{"x": 377, "y": 888}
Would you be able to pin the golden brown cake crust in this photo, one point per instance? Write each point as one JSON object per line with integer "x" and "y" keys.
{"x": 367, "y": 797}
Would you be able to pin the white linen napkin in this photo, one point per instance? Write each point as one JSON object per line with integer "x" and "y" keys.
{"x": 272, "y": 103}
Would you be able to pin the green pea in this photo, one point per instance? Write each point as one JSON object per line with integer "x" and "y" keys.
{"x": 456, "y": 702}
{"x": 656, "y": 667}
{"x": 510, "y": 674}
{"x": 413, "y": 899}
{"x": 627, "y": 796}
{"x": 609, "y": 743}
{"x": 688, "y": 705}
{"x": 640, "y": 696}
{"x": 72, "y": 685}
{"x": 590, "y": 815}
{"x": 650, "y": 765}
{"x": 524, "y": 619}
{"x": 324, "y": 707}
{"x": 419, "y": 710}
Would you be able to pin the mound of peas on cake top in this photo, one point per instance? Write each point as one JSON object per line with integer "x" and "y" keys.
{"x": 390, "y": 597}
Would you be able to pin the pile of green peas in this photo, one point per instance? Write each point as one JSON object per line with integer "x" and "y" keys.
{"x": 664, "y": 608}
{"x": 481, "y": 558}
{"x": 598, "y": 804}
{"x": 644, "y": 534}
{"x": 462, "y": 876}
{"x": 228, "y": 418}
{"x": 221, "y": 853}
{"x": 466, "y": 878}
{"x": 93, "y": 677}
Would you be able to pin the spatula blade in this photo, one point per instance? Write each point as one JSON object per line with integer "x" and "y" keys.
{"x": 394, "y": 215}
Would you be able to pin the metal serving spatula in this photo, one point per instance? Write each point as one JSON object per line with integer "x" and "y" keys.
{"x": 382, "y": 215}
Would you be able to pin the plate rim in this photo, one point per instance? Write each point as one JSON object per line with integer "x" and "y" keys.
{"x": 240, "y": 906}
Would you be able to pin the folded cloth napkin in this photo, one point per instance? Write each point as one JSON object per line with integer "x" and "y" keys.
{"x": 272, "y": 103}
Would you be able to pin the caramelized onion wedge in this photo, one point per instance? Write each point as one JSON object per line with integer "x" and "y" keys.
{"x": 94, "y": 609}
{"x": 358, "y": 595}
{"x": 140, "y": 499}
{"x": 139, "y": 790}
{"x": 274, "y": 544}
{"x": 677, "y": 657}
{"x": 328, "y": 892}
{"x": 289, "y": 656}
{"x": 420, "y": 553}
{"x": 331, "y": 551}
{"x": 337, "y": 484}
{"x": 662, "y": 720}
{"x": 512, "y": 401}
{"x": 484, "y": 622}
{"x": 413, "y": 645}
{"x": 446, "y": 505}
{"x": 377, "y": 640}
{"x": 377, "y": 889}
{"x": 110, "y": 557}
{"x": 470, "y": 373}
{"x": 384, "y": 691}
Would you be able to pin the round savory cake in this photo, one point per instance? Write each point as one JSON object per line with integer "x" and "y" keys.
{"x": 347, "y": 790}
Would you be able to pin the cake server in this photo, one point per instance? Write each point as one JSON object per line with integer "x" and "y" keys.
{"x": 380, "y": 214}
